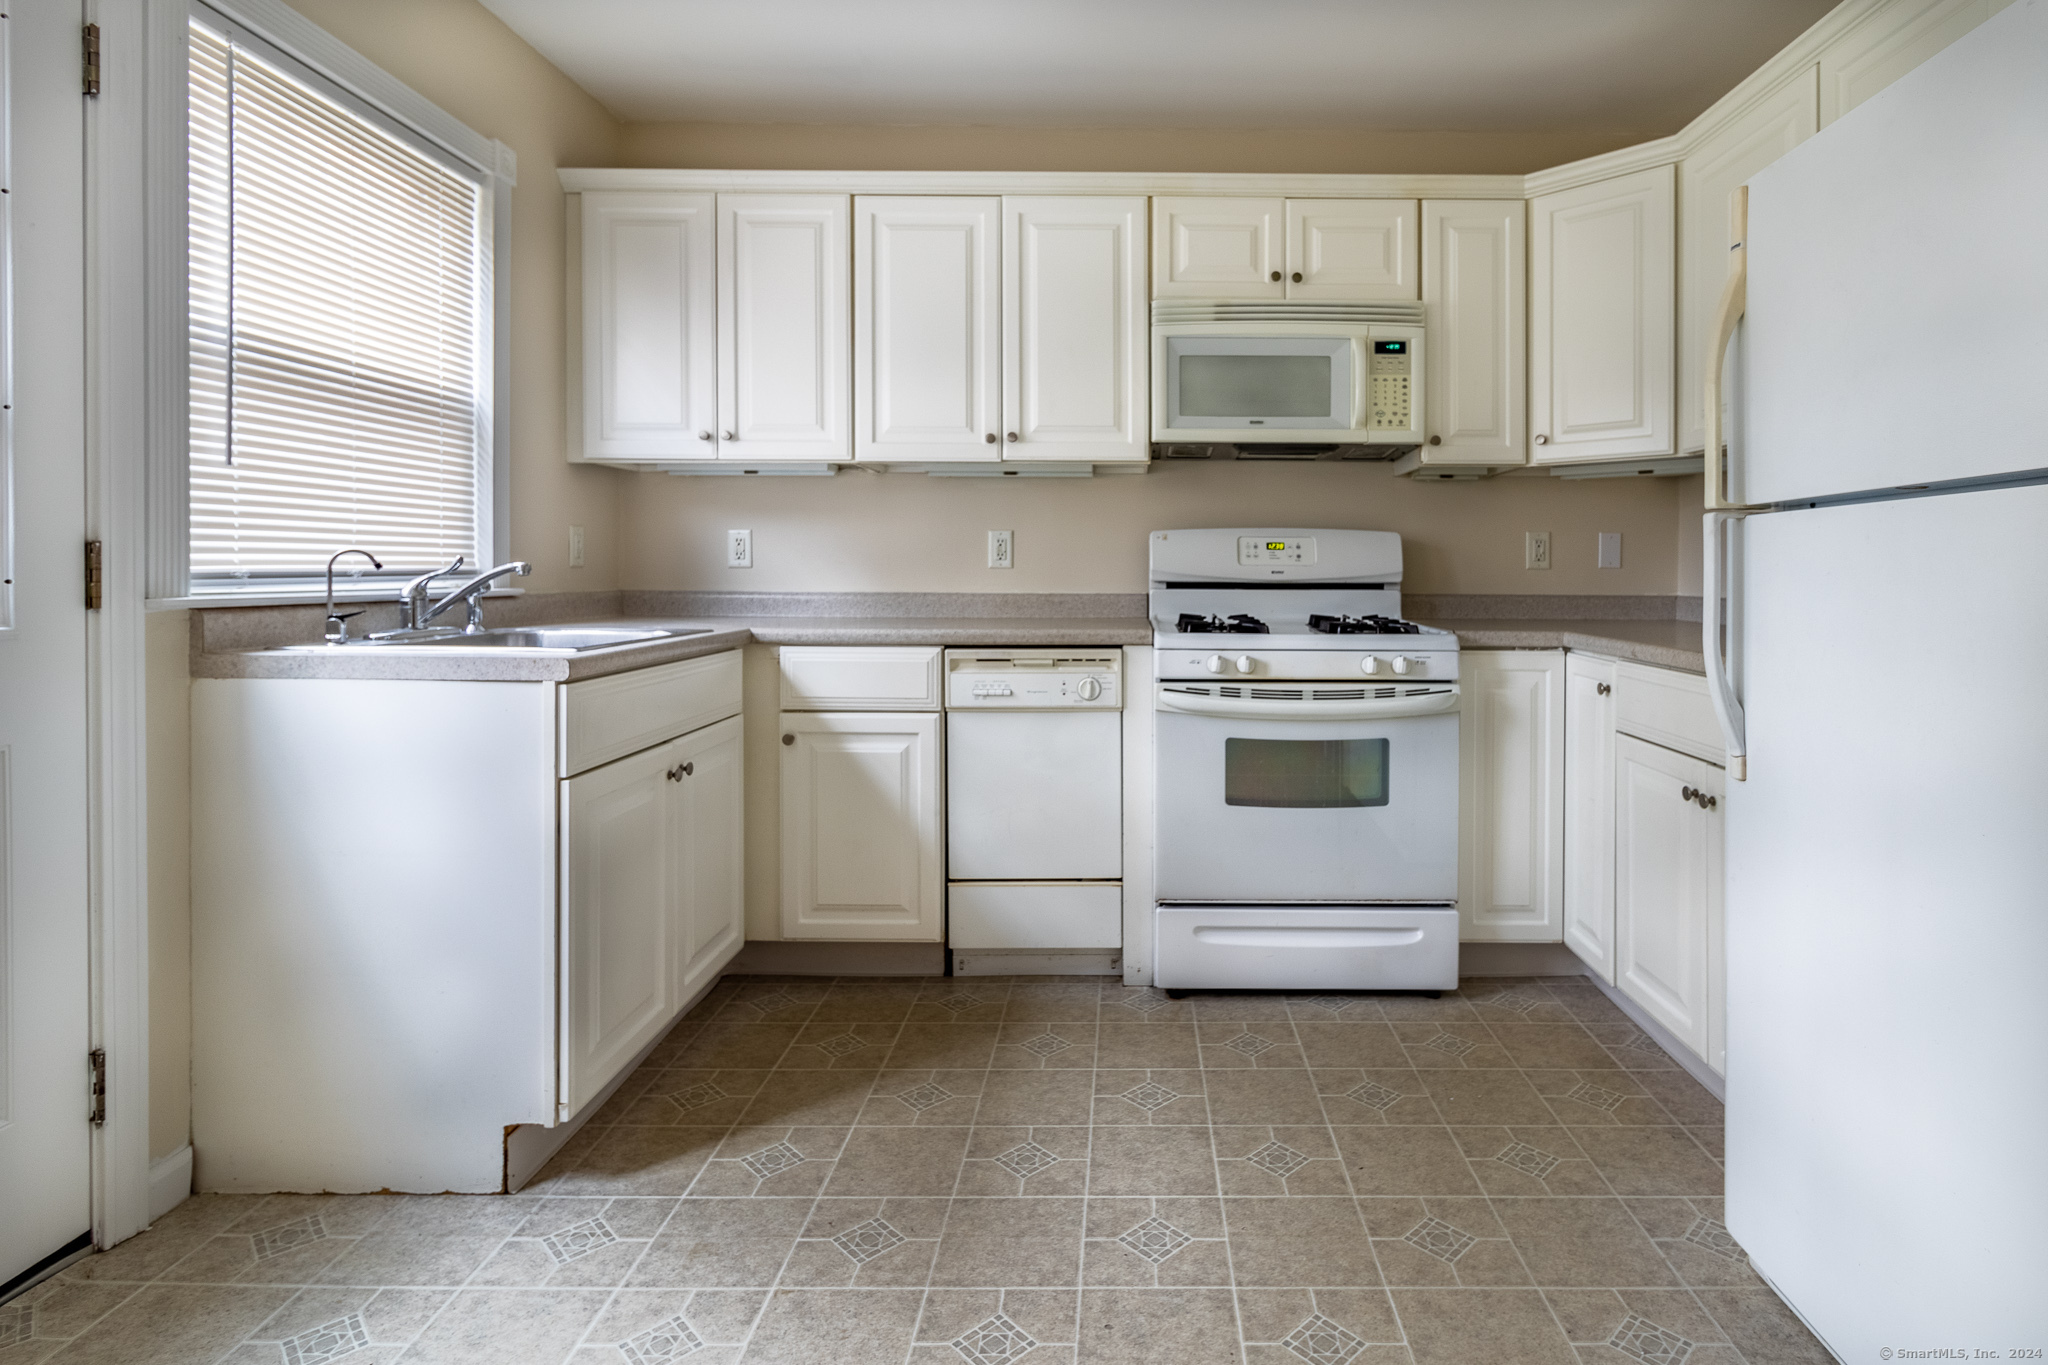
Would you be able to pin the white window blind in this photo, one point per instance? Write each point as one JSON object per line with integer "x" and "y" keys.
{"x": 340, "y": 331}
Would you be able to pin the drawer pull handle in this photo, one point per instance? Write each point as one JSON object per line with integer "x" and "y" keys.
{"x": 1698, "y": 798}
{"x": 789, "y": 739}
{"x": 1603, "y": 688}
{"x": 686, "y": 770}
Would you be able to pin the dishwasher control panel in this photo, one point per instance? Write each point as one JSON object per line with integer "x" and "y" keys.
{"x": 1034, "y": 679}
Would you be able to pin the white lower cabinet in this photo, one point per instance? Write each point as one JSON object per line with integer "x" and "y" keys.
{"x": 1511, "y": 782}
{"x": 1667, "y": 888}
{"x": 1589, "y": 811}
{"x": 862, "y": 856}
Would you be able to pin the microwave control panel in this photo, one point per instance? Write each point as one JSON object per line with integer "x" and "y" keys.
{"x": 1390, "y": 387}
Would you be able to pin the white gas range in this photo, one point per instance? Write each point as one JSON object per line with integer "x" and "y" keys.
{"x": 1307, "y": 766}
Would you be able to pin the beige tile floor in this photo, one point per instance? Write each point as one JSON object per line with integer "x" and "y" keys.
{"x": 927, "y": 1172}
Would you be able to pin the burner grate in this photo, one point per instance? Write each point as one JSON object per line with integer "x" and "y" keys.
{"x": 1361, "y": 625}
{"x": 1193, "y": 623}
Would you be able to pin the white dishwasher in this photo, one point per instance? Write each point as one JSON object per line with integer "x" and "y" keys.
{"x": 1034, "y": 810}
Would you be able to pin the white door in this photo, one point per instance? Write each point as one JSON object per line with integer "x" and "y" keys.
{"x": 1589, "y": 811}
{"x": 1600, "y": 320}
{"x": 650, "y": 331}
{"x": 1475, "y": 309}
{"x": 785, "y": 307}
{"x": 1511, "y": 769}
{"x": 1766, "y": 131}
{"x": 1032, "y": 796}
{"x": 619, "y": 905}
{"x": 1350, "y": 250}
{"x": 45, "y": 1138}
{"x": 927, "y": 327}
{"x": 1076, "y": 330}
{"x": 861, "y": 856}
{"x": 706, "y": 839}
{"x": 1222, "y": 248}
{"x": 1665, "y": 834}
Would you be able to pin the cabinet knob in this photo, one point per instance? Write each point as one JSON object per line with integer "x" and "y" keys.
{"x": 703, "y": 435}
{"x": 1296, "y": 277}
{"x": 1603, "y": 688}
{"x": 1011, "y": 435}
{"x": 1686, "y": 793}
{"x": 1542, "y": 440}
{"x": 686, "y": 770}
{"x": 1436, "y": 440}
{"x": 734, "y": 436}
{"x": 1276, "y": 277}
{"x": 990, "y": 438}
{"x": 789, "y": 739}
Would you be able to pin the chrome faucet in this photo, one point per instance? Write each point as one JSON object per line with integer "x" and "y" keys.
{"x": 412, "y": 603}
{"x": 472, "y": 593}
{"x": 337, "y": 622}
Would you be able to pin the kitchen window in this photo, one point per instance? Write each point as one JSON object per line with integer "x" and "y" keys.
{"x": 342, "y": 281}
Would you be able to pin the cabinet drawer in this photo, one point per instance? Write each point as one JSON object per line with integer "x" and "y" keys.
{"x": 850, "y": 679}
{"x": 1667, "y": 708}
{"x": 610, "y": 717}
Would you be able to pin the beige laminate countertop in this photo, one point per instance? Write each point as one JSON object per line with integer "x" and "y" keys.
{"x": 1664, "y": 644}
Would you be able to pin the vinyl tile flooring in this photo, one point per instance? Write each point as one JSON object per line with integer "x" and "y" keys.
{"x": 1018, "y": 1172}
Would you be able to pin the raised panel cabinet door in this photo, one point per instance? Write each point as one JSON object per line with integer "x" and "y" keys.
{"x": 1589, "y": 811}
{"x": 1076, "y": 330}
{"x": 650, "y": 332}
{"x": 707, "y": 840}
{"x": 1510, "y": 757}
{"x": 1219, "y": 248}
{"x": 861, "y": 856}
{"x": 927, "y": 328}
{"x": 785, "y": 305}
{"x": 1475, "y": 307}
{"x": 1600, "y": 320}
{"x": 1706, "y": 179}
{"x": 1352, "y": 250}
{"x": 1661, "y": 878}
{"x": 618, "y": 913}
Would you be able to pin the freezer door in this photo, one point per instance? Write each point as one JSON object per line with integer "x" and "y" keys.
{"x": 1887, "y": 920}
{"x": 1897, "y": 330}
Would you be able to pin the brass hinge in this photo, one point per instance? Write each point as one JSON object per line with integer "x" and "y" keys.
{"x": 92, "y": 575}
{"x": 92, "y": 59}
{"x": 97, "y": 1059}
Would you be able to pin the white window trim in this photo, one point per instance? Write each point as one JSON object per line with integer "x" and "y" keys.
{"x": 298, "y": 43}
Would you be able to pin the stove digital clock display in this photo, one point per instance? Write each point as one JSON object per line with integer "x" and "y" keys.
{"x": 1276, "y": 553}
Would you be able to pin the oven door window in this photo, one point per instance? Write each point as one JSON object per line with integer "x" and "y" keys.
{"x": 1305, "y": 774}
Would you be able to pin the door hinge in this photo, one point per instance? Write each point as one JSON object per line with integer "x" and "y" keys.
{"x": 92, "y": 575}
{"x": 97, "y": 1060}
{"x": 92, "y": 59}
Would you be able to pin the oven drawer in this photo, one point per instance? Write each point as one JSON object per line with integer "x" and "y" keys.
{"x": 1334, "y": 948}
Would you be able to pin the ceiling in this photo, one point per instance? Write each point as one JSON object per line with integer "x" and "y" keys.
{"x": 1641, "y": 68}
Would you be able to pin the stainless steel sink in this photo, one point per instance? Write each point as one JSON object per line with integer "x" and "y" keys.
{"x": 572, "y": 639}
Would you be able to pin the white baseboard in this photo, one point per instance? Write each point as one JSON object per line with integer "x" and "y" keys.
{"x": 1518, "y": 959}
{"x": 170, "y": 1182}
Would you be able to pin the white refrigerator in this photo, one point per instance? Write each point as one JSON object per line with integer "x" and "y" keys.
{"x": 1883, "y": 677}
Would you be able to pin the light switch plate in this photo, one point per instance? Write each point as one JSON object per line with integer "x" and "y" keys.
{"x": 1610, "y": 549}
{"x": 739, "y": 549}
{"x": 1536, "y": 550}
{"x": 575, "y": 547}
{"x": 1000, "y": 550}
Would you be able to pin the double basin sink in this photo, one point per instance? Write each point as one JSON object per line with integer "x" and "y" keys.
{"x": 574, "y": 639}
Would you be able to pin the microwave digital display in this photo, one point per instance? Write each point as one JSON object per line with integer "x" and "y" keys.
{"x": 1254, "y": 386}
{"x": 1390, "y": 348}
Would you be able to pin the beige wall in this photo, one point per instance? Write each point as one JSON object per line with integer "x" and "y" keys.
{"x": 1687, "y": 535}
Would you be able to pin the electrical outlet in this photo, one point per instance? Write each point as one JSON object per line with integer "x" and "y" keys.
{"x": 575, "y": 547}
{"x": 1610, "y": 549}
{"x": 1536, "y": 550}
{"x": 739, "y": 549}
{"x": 1000, "y": 551}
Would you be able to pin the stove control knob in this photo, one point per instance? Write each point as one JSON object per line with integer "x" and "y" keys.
{"x": 1402, "y": 665}
{"x": 1369, "y": 664}
{"x": 1089, "y": 689}
{"x": 1215, "y": 663}
{"x": 1245, "y": 663}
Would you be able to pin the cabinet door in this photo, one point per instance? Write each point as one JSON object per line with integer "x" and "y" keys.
{"x": 1351, "y": 250}
{"x": 619, "y": 907}
{"x": 1765, "y": 131}
{"x": 1510, "y": 757}
{"x": 1076, "y": 331}
{"x": 650, "y": 336}
{"x": 1663, "y": 842}
{"x": 784, "y": 321}
{"x": 861, "y": 856}
{"x": 1225, "y": 248}
{"x": 1589, "y": 811}
{"x": 1475, "y": 305}
{"x": 706, "y": 835}
{"x": 927, "y": 328}
{"x": 1600, "y": 320}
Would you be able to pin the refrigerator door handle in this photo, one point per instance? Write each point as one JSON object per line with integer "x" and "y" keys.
{"x": 1720, "y": 687}
{"x": 1734, "y": 300}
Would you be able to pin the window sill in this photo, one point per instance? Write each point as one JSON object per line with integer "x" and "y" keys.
{"x": 296, "y": 597}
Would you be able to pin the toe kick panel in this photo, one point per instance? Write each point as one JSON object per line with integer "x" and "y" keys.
{"x": 1344, "y": 948}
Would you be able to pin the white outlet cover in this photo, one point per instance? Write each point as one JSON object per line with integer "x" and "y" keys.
{"x": 1536, "y": 550}
{"x": 739, "y": 549}
{"x": 1002, "y": 552}
{"x": 1610, "y": 549}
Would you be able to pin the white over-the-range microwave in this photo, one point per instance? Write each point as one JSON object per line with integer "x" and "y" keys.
{"x": 1286, "y": 380}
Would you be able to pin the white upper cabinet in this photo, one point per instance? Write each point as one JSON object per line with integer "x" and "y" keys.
{"x": 650, "y": 374}
{"x": 1762, "y": 133}
{"x": 1352, "y": 249}
{"x": 927, "y": 289}
{"x": 1890, "y": 40}
{"x": 1600, "y": 320}
{"x": 1474, "y": 303}
{"x": 1076, "y": 329}
{"x": 1511, "y": 796}
{"x": 784, "y": 305}
{"x": 1222, "y": 248}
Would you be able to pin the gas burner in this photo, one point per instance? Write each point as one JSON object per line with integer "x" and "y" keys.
{"x": 1361, "y": 625}
{"x": 1240, "y": 624}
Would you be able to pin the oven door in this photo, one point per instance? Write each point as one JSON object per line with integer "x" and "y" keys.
{"x": 1276, "y": 801}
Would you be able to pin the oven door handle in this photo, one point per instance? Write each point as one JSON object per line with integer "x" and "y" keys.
{"x": 1255, "y": 708}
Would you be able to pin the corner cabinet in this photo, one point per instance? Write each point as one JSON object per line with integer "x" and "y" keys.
{"x": 1511, "y": 730}
{"x": 1602, "y": 270}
